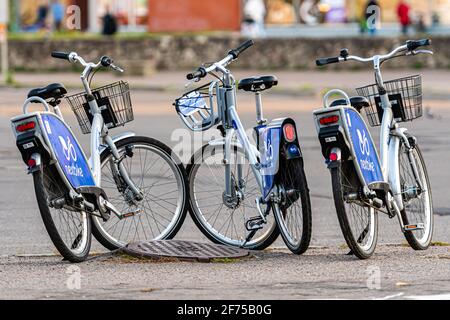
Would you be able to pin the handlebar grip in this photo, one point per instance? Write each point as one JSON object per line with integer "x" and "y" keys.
{"x": 60, "y": 55}
{"x": 414, "y": 44}
{"x": 236, "y": 52}
{"x": 106, "y": 61}
{"x": 325, "y": 61}
{"x": 200, "y": 73}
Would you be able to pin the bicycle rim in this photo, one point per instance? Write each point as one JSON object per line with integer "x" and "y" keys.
{"x": 217, "y": 221}
{"x": 294, "y": 216}
{"x": 67, "y": 227}
{"x": 161, "y": 211}
{"x": 417, "y": 207}
{"x": 359, "y": 223}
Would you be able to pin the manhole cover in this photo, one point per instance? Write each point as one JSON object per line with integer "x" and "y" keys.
{"x": 183, "y": 250}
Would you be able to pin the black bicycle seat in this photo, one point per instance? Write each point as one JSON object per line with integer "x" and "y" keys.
{"x": 356, "y": 102}
{"x": 257, "y": 84}
{"x": 54, "y": 90}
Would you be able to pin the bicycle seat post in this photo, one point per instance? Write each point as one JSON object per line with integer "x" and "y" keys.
{"x": 259, "y": 109}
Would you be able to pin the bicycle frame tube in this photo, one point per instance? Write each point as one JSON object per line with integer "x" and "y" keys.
{"x": 248, "y": 148}
{"x": 387, "y": 121}
{"x": 97, "y": 128}
{"x": 237, "y": 128}
{"x": 100, "y": 132}
{"x": 390, "y": 139}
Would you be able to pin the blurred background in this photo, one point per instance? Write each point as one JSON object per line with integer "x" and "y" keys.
{"x": 159, "y": 41}
{"x": 155, "y": 35}
{"x": 274, "y": 17}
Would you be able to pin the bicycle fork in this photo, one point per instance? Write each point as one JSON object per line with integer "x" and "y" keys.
{"x": 125, "y": 184}
{"x": 396, "y": 200}
{"x": 235, "y": 185}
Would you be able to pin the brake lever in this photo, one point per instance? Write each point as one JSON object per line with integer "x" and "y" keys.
{"x": 116, "y": 68}
{"x": 416, "y": 52}
{"x": 191, "y": 82}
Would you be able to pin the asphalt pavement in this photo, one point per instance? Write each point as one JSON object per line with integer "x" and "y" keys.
{"x": 30, "y": 269}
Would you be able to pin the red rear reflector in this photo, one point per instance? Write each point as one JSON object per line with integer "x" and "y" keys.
{"x": 333, "y": 156}
{"x": 289, "y": 132}
{"x": 26, "y": 126}
{"x": 31, "y": 163}
{"x": 329, "y": 120}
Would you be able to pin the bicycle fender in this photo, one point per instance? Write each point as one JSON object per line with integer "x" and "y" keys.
{"x": 365, "y": 155}
{"x": 275, "y": 149}
{"x": 66, "y": 150}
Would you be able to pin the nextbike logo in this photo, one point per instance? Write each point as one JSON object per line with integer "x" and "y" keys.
{"x": 68, "y": 149}
{"x": 71, "y": 155}
{"x": 363, "y": 143}
{"x": 364, "y": 147}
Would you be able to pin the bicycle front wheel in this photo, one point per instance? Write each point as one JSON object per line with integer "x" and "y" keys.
{"x": 359, "y": 223}
{"x": 219, "y": 221}
{"x": 68, "y": 228}
{"x": 417, "y": 200}
{"x": 159, "y": 174}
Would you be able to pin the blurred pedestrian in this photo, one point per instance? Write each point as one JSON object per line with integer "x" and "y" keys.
{"x": 109, "y": 24}
{"x": 58, "y": 13}
{"x": 421, "y": 26}
{"x": 42, "y": 13}
{"x": 403, "y": 10}
{"x": 254, "y": 14}
{"x": 372, "y": 15}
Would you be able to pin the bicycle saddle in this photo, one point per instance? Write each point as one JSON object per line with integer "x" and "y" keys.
{"x": 54, "y": 90}
{"x": 257, "y": 84}
{"x": 357, "y": 102}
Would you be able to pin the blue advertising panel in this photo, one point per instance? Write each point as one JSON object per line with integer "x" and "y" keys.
{"x": 365, "y": 152}
{"x": 269, "y": 147}
{"x": 68, "y": 152}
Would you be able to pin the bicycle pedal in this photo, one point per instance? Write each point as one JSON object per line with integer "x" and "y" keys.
{"x": 254, "y": 224}
{"x": 131, "y": 213}
{"x": 413, "y": 227}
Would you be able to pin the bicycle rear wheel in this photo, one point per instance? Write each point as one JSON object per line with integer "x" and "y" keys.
{"x": 219, "y": 222}
{"x": 418, "y": 204}
{"x": 359, "y": 223}
{"x": 159, "y": 174}
{"x": 294, "y": 215}
{"x": 68, "y": 228}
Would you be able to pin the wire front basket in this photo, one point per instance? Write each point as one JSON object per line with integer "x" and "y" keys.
{"x": 196, "y": 107}
{"x": 114, "y": 101}
{"x": 405, "y": 95}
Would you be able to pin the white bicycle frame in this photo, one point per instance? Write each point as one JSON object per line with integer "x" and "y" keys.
{"x": 234, "y": 128}
{"x": 391, "y": 135}
{"x": 99, "y": 137}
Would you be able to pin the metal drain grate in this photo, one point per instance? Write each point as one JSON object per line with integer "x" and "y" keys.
{"x": 183, "y": 250}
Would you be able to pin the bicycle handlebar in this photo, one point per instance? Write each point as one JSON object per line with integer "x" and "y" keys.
{"x": 60, "y": 55}
{"x": 414, "y": 44}
{"x": 325, "y": 61}
{"x": 200, "y": 73}
{"x": 232, "y": 55}
{"x": 410, "y": 47}
{"x": 236, "y": 52}
{"x": 73, "y": 57}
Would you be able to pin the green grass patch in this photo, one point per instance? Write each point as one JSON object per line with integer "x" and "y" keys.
{"x": 78, "y": 35}
{"x": 418, "y": 65}
{"x": 9, "y": 80}
{"x": 440, "y": 244}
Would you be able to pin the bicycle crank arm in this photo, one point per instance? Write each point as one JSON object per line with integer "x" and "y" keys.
{"x": 261, "y": 214}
